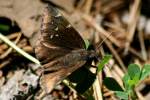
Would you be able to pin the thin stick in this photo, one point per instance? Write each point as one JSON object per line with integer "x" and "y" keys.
{"x": 143, "y": 49}
{"x": 4, "y": 63}
{"x": 99, "y": 45}
{"x": 31, "y": 58}
{"x": 133, "y": 18}
{"x": 88, "y": 6}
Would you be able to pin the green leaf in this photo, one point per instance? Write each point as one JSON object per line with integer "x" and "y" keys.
{"x": 105, "y": 60}
{"x": 87, "y": 44}
{"x": 134, "y": 71}
{"x": 145, "y": 71}
{"x": 132, "y": 83}
{"x": 112, "y": 84}
{"x": 126, "y": 79}
{"x": 122, "y": 95}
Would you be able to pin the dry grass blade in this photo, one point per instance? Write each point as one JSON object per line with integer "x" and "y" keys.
{"x": 4, "y": 63}
{"x": 143, "y": 49}
{"x": 115, "y": 27}
{"x": 133, "y": 18}
{"x": 88, "y": 6}
{"x": 97, "y": 89}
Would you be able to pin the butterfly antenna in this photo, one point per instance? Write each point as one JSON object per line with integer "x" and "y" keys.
{"x": 99, "y": 45}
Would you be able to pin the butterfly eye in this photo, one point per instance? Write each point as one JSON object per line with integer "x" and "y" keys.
{"x": 92, "y": 55}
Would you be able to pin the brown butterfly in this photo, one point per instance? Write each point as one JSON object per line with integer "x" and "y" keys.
{"x": 60, "y": 49}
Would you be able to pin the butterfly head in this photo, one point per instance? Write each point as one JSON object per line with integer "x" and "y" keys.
{"x": 92, "y": 55}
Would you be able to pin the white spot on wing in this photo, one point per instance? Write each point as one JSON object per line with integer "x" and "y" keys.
{"x": 58, "y": 15}
{"x": 49, "y": 45}
{"x": 51, "y": 36}
{"x": 56, "y": 35}
{"x": 56, "y": 29}
{"x": 68, "y": 26}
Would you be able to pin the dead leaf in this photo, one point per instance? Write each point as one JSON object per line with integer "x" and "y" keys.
{"x": 25, "y": 12}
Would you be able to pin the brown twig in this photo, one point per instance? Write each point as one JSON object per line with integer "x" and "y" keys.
{"x": 115, "y": 27}
{"x": 133, "y": 18}
{"x": 143, "y": 49}
{"x": 4, "y": 63}
{"x": 88, "y": 6}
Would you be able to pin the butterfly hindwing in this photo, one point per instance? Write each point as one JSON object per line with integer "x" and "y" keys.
{"x": 48, "y": 81}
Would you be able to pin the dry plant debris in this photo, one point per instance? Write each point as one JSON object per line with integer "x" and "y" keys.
{"x": 127, "y": 21}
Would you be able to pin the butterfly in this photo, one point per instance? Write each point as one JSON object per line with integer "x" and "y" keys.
{"x": 60, "y": 49}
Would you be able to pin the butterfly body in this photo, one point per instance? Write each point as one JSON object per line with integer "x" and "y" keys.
{"x": 60, "y": 49}
{"x": 68, "y": 60}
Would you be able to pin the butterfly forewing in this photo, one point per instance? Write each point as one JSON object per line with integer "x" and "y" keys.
{"x": 58, "y": 37}
{"x": 57, "y": 31}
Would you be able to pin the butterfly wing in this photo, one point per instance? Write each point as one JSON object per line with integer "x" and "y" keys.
{"x": 56, "y": 30}
{"x": 58, "y": 37}
{"x": 48, "y": 81}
